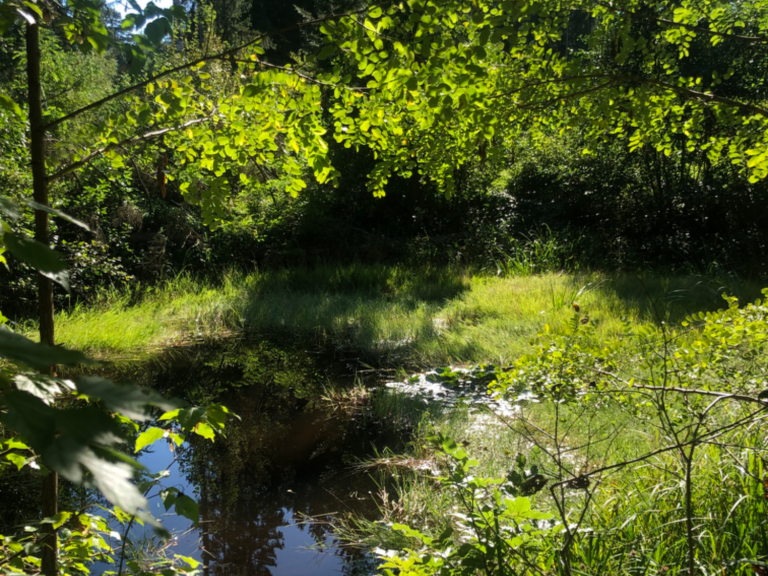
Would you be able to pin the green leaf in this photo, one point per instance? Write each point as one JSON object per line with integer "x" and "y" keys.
{"x": 126, "y": 399}
{"x": 59, "y": 213}
{"x": 187, "y": 507}
{"x": 7, "y": 103}
{"x": 133, "y": 21}
{"x": 71, "y": 441}
{"x": 46, "y": 261}
{"x": 216, "y": 415}
{"x": 135, "y": 56}
{"x": 204, "y": 430}
{"x": 30, "y": 417}
{"x": 187, "y": 418}
{"x": 178, "y": 11}
{"x": 15, "y": 444}
{"x": 157, "y": 30}
{"x": 327, "y": 51}
{"x": 250, "y": 91}
{"x": 148, "y": 437}
{"x": 41, "y": 385}
{"x": 9, "y": 208}
{"x": 19, "y": 349}
{"x": 152, "y": 9}
{"x": 17, "y": 460}
{"x": 169, "y": 497}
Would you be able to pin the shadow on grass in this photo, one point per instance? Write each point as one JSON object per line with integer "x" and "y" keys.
{"x": 672, "y": 299}
{"x": 430, "y": 284}
{"x": 388, "y": 315}
{"x": 375, "y": 311}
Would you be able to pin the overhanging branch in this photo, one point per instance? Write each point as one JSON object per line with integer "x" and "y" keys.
{"x": 193, "y": 63}
{"x": 127, "y": 142}
{"x": 615, "y": 79}
{"x": 692, "y": 27}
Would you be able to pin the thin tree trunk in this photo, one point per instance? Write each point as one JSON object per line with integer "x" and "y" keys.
{"x": 689, "y": 514}
{"x": 49, "y": 505}
{"x": 49, "y": 496}
{"x": 39, "y": 177}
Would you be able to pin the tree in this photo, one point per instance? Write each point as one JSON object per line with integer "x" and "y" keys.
{"x": 229, "y": 130}
{"x": 428, "y": 85}
{"x": 447, "y": 82}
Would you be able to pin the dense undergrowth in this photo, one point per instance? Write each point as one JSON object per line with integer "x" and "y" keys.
{"x": 600, "y": 471}
{"x": 639, "y": 452}
{"x": 388, "y": 315}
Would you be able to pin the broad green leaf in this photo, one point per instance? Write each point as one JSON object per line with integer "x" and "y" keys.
{"x": 187, "y": 418}
{"x": 39, "y": 256}
{"x": 157, "y": 29}
{"x": 73, "y": 440}
{"x": 250, "y": 91}
{"x": 15, "y": 444}
{"x": 148, "y": 437}
{"x": 204, "y": 430}
{"x": 188, "y": 508}
{"x": 133, "y": 21}
{"x": 216, "y": 415}
{"x": 169, "y": 497}
{"x": 7, "y": 104}
{"x": 129, "y": 400}
{"x": 59, "y": 213}
{"x": 17, "y": 460}
{"x": 43, "y": 386}
{"x": 327, "y": 51}
{"x": 19, "y": 349}
{"x": 9, "y": 208}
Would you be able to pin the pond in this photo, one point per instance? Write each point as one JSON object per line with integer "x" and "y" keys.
{"x": 270, "y": 491}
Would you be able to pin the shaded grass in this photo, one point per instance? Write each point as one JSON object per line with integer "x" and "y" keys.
{"x": 391, "y": 315}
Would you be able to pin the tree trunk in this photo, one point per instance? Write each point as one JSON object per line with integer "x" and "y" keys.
{"x": 49, "y": 497}
{"x": 49, "y": 505}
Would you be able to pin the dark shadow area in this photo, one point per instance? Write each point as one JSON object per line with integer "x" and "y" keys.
{"x": 673, "y": 299}
{"x": 426, "y": 283}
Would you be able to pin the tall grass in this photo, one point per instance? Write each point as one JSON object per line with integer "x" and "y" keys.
{"x": 634, "y": 523}
{"x": 418, "y": 317}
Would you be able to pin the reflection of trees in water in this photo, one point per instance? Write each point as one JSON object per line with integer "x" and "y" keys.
{"x": 245, "y": 547}
{"x": 283, "y": 455}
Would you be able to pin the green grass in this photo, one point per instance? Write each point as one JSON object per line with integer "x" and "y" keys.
{"x": 425, "y": 317}
{"x": 437, "y": 316}
{"x": 634, "y": 522}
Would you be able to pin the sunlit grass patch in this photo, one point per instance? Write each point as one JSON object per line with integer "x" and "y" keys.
{"x": 391, "y": 314}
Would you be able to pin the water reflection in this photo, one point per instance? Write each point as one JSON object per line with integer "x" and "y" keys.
{"x": 270, "y": 491}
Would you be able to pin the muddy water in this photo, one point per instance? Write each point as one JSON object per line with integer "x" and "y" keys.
{"x": 269, "y": 492}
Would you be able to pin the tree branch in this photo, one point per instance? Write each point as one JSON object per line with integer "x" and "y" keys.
{"x": 300, "y": 75}
{"x": 692, "y": 27}
{"x": 545, "y": 103}
{"x": 717, "y": 395}
{"x": 627, "y": 79}
{"x": 133, "y": 140}
{"x": 696, "y": 95}
{"x": 202, "y": 60}
{"x": 705, "y": 438}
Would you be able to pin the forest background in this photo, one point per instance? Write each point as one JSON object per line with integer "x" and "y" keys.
{"x": 604, "y": 207}
{"x": 347, "y": 169}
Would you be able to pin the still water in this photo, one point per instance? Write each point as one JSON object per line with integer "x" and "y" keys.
{"x": 269, "y": 492}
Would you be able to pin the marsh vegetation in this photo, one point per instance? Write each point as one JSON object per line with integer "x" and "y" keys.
{"x": 432, "y": 288}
